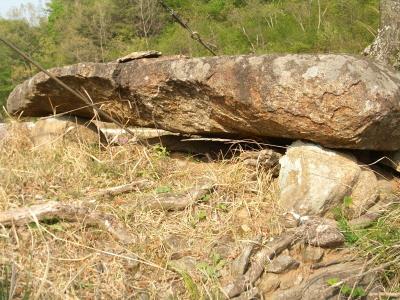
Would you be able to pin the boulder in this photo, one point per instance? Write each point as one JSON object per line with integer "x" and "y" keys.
{"x": 338, "y": 101}
{"x": 314, "y": 179}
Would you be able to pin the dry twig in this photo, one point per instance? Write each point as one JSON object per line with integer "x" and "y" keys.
{"x": 121, "y": 189}
{"x": 180, "y": 201}
{"x": 68, "y": 212}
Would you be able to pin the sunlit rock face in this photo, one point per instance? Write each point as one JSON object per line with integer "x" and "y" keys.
{"x": 337, "y": 101}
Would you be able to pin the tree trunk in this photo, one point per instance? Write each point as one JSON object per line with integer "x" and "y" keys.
{"x": 386, "y": 47}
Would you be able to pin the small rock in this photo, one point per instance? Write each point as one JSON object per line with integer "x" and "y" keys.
{"x": 290, "y": 220}
{"x": 269, "y": 283}
{"x": 175, "y": 242}
{"x": 323, "y": 233}
{"x": 327, "y": 238}
{"x": 139, "y": 55}
{"x": 225, "y": 247}
{"x": 282, "y": 264}
{"x": 312, "y": 254}
{"x": 186, "y": 264}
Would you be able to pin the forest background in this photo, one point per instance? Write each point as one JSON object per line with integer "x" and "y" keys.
{"x": 71, "y": 31}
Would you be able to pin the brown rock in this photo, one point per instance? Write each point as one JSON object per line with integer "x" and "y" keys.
{"x": 335, "y": 100}
{"x": 269, "y": 282}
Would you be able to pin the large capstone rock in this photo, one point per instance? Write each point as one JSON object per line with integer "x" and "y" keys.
{"x": 338, "y": 101}
{"x": 313, "y": 179}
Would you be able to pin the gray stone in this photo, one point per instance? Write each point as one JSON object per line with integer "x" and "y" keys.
{"x": 339, "y": 101}
{"x": 282, "y": 264}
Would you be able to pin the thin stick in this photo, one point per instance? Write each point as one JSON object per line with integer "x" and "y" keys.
{"x": 69, "y": 212}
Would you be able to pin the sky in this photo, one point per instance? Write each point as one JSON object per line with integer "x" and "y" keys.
{"x": 6, "y": 5}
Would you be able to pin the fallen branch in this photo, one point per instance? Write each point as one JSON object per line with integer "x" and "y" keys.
{"x": 379, "y": 295}
{"x": 320, "y": 265}
{"x": 121, "y": 189}
{"x": 179, "y": 201}
{"x": 75, "y": 212}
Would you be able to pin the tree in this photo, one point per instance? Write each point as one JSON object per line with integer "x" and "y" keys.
{"x": 386, "y": 47}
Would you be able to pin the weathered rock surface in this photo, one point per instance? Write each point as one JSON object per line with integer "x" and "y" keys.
{"x": 281, "y": 264}
{"x": 312, "y": 254}
{"x": 313, "y": 180}
{"x": 323, "y": 233}
{"x": 338, "y": 101}
{"x": 316, "y": 287}
{"x": 365, "y": 193}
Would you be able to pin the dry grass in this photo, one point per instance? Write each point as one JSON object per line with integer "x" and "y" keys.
{"x": 64, "y": 260}
{"x": 60, "y": 260}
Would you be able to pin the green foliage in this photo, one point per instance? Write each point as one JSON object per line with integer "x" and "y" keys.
{"x": 212, "y": 270}
{"x": 332, "y": 281}
{"x": 5, "y": 284}
{"x": 163, "y": 189}
{"x": 101, "y": 30}
{"x": 190, "y": 286}
{"x": 340, "y": 215}
{"x": 160, "y": 150}
{"x": 347, "y": 290}
{"x": 201, "y": 215}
